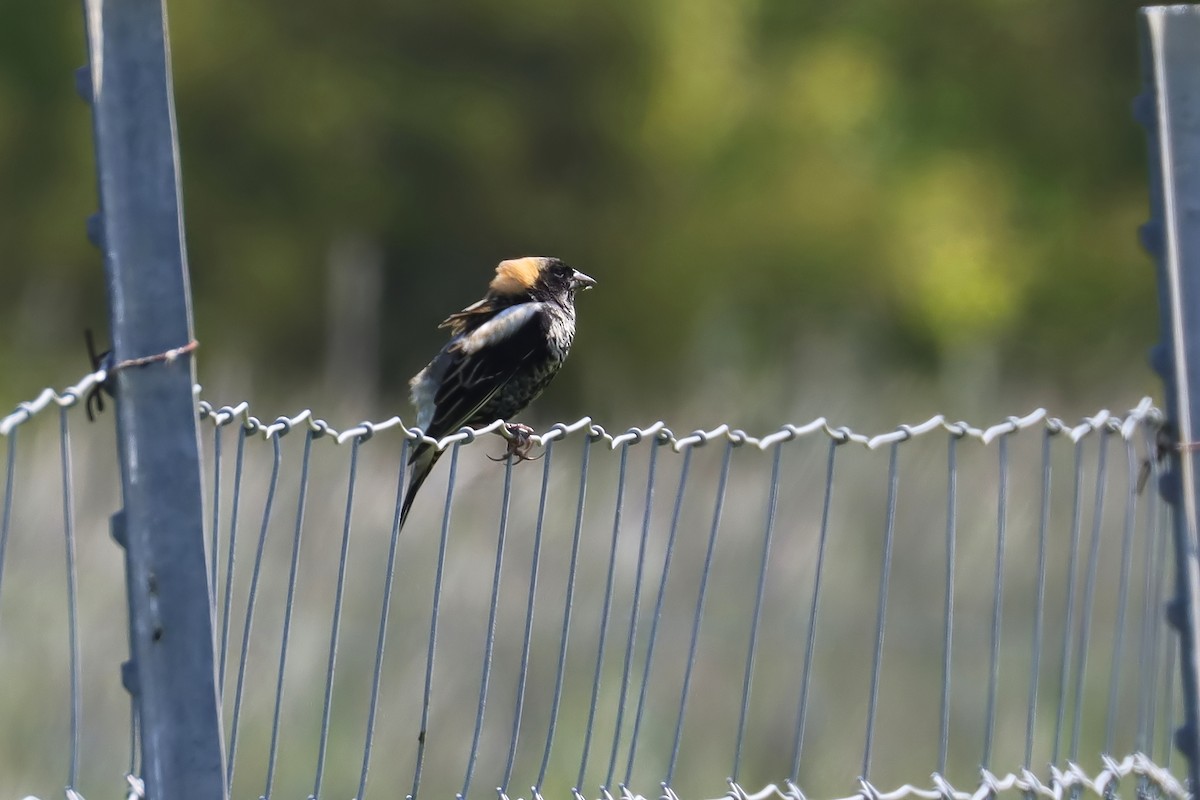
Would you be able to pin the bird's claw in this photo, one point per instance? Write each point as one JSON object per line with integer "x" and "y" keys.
{"x": 520, "y": 443}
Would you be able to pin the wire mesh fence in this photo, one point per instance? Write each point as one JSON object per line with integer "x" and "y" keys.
{"x": 639, "y": 612}
{"x": 810, "y": 613}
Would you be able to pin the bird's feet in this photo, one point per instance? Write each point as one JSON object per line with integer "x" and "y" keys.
{"x": 519, "y": 444}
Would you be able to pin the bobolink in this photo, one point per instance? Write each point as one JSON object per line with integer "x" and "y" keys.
{"x": 502, "y": 352}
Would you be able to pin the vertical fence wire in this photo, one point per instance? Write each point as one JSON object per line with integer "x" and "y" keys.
{"x": 490, "y": 640}
{"x": 235, "y": 506}
{"x": 335, "y": 626}
{"x": 684, "y": 472}
{"x": 527, "y": 636}
{"x": 1128, "y": 526}
{"x": 214, "y": 556}
{"x": 248, "y": 622}
{"x": 9, "y": 482}
{"x": 1148, "y": 662}
{"x": 697, "y": 616}
{"x": 948, "y": 599}
{"x": 881, "y": 613}
{"x": 381, "y": 639}
{"x": 288, "y": 607}
{"x": 568, "y": 604}
{"x": 810, "y": 642}
{"x": 1089, "y": 592}
{"x": 989, "y": 725}
{"x": 1069, "y": 615}
{"x": 755, "y": 620}
{"x": 635, "y": 608}
{"x": 68, "y": 508}
{"x": 1039, "y": 607}
{"x": 439, "y": 574}
{"x": 1147, "y": 666}
{"x": 604, "y": 614}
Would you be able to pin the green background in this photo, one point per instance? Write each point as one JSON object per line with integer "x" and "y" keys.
{"x": 773, "y": 196}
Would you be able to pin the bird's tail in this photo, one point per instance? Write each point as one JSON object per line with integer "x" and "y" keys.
{"x": 421, "y": 462}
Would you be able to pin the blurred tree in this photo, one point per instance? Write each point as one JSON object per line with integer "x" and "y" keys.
{"x": 932, "y": 182}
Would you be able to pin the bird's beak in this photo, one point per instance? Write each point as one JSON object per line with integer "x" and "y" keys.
{"x": 582, "y": 281}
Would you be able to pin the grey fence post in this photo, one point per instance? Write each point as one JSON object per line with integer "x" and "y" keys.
{"x": 1169, "y": 108}
{"x": 140, "y": 230}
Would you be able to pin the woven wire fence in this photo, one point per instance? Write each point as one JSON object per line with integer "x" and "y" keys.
{"x": 812, "y": 613}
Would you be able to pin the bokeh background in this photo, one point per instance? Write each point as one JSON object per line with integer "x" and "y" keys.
{"x": 866, "y": 211}
{"x": 776, "y": 198}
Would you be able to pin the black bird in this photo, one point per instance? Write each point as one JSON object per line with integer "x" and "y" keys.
{"x": 502, "y": 352}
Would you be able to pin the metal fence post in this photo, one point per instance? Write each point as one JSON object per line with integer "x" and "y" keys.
{"x": 1169, "y": 108}
{"x": 140, "y": 230}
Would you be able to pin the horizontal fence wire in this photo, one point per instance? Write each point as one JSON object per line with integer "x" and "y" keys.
{"x": 779, "y": 612}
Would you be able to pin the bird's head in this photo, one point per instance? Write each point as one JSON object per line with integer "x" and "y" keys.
{"x": 539, "y": 277}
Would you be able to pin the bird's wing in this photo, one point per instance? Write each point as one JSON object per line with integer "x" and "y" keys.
{"x": 481, "y": 363}
{"x": 500, "y": 329}
{"x": 473, "y": 315}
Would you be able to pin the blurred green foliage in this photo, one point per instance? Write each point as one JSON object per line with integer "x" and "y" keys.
{"x": 925, "y": 184}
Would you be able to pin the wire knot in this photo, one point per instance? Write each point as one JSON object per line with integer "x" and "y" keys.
{"x": 958, "y": 430}
{"x": 840, "y": 435}
{"x": 365, "y": 436}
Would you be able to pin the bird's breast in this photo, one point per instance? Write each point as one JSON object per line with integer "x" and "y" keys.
{"x": 560, "y": 332}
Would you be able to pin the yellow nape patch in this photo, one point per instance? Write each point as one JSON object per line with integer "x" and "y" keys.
{"x": 516, "y": 275}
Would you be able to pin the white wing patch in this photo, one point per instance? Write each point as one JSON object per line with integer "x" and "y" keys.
{"x": 499, "y": 327}
{"x": 424, "y": 389}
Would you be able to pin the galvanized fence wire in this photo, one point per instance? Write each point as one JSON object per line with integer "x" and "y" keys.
{"x": 629, "y": 698}
{"x": 17, "y": 510}
{"x": 636, "y": 597}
